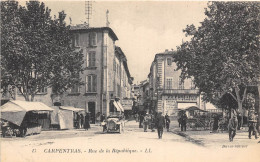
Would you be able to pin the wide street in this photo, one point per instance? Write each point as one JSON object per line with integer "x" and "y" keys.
{"x": 132, "y": 145}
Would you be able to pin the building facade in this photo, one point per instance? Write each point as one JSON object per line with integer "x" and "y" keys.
{"x": 106, "y": 76}
{"x": 168, "y": 92}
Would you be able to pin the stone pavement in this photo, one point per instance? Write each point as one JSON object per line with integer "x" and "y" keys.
{"x": 218, "y": 139}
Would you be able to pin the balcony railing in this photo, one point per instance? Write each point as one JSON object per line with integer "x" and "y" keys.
{"x": 180, "y": 91}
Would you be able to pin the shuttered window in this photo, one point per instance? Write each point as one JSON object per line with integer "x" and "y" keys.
{"x": 92, "y": 59}
{"x": 91, "y": 83}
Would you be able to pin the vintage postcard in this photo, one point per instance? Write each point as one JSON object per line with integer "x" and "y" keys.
{"x": 130, "y": 81}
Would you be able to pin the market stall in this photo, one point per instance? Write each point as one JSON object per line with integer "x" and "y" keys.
{"x": 25, "y": 117}
{"x": 65, "y": 116}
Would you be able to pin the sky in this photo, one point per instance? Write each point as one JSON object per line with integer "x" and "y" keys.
{"x": 144, "y": 28}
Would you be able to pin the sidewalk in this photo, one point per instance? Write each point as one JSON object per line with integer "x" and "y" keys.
{"x": 219, "y": 139}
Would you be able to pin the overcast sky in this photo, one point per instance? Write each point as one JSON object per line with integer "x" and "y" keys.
{"x": 144, "y": 28}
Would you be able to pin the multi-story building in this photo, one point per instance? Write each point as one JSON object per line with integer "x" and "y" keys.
{"x": 168, "y": 92}
{"x": 106, "y": 76}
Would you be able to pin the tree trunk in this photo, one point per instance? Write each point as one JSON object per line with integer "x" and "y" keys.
{"x": 258, "y": 123}
{"x": 240, "y": 108}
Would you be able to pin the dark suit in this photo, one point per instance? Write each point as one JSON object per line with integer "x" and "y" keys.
{"x": 160, "y": 124}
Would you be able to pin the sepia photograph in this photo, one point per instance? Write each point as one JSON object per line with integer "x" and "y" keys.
{"x": 114, "y": 80}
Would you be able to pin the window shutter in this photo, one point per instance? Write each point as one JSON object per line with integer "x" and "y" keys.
{"x": 89, "y": 83}
{"x": 86, "y": 85}
{"x": 94, "y": 83}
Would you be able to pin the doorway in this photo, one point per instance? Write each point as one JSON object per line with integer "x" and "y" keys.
{"x": 92, "y": 111}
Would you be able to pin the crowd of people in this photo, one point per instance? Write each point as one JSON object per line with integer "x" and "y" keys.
{"x": 153, "y": 121}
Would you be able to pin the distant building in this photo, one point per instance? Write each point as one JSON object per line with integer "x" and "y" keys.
{"x": 168, "y": 92}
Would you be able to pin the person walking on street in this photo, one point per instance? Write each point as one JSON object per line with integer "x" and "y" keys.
{"x": 232, "y": 127}
{"x": 87, "y": 125}
{"x": 167, "y": 120}
{"x": 239, "y": 120}
{"x": 183, "y": 121}
{"x": 141, "y": 120}
{"x": 145, "y": 122}
{"x": 252, "y": 122}
{"x": 160, "y": 125}
{"x": 77, "y": 120}
{"x": 81, "y": 120}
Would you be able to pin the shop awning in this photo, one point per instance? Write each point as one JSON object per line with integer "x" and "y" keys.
{"x": 120, "y": 106}
{"x": 116, "y": 106}
{"x": 71, "y": 108}
{"x": 14, "y": 111}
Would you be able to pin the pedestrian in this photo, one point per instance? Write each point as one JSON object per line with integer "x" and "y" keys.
{"x": 160, "y": 122}
{"x": 239, "y": 120}
{"x": 81, "y": 120}
{"x": 145, "y": 122}
{"x": 252, "y": 122}
{"x": 232, "y": 127}
{"x": 152, "y": 122}
{"x": 77, "y": 120}
{"x": 102, "y": 118}
{"x": 86, "y": 124}
{"x": 136, "y": 117}
{"x": 141, "y": 120}
{"x": 167, "y": 121}
{"x": 183, "y": 121}
{"x": 215, "y": 123}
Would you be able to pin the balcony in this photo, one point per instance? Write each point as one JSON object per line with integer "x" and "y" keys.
{"x": 180, "y": 91}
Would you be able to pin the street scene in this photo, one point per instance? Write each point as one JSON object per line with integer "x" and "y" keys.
{"x": 132, "y": 81}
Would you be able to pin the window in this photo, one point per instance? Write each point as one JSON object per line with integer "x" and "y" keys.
{"x": 93, "y": 39}
{"x": 92, "y": 59}
{"x": 91, "y": 83}
{"x": 76, "y": 40}
{"x": 168, "y": 83}
{"x": 181, "y": 84}
{"x": 75, "y": 89}
{"x": 169, "y": 61}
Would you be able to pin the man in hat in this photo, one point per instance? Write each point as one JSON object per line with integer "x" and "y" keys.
{"x": 160, "y": 124}
{"x": 232, "y": 127}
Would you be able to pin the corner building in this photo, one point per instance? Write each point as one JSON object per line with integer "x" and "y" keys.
{"x": 106, "y": 76}
{"x": 168, "y": 92}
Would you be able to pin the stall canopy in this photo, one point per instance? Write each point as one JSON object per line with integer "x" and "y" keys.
{"x": 14, "y": 111}
{"x": 64, "y": 116}
{"x": 72, "y": 109}
{"x": 192, "y": 108}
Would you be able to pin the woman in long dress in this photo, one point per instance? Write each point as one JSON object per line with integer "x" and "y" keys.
{"x": 86, "y": 124}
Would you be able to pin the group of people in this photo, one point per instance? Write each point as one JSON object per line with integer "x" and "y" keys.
{"x": 233, "y": 126}
{"x": 81, "y": 121}
{"x": 154, "y": 121}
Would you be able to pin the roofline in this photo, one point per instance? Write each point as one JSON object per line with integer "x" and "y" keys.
{"x": 111, "y": 32}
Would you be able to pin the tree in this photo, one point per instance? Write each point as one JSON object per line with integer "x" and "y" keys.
{"x": 223, "y": 53}
{"x": 36, "y": 50}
